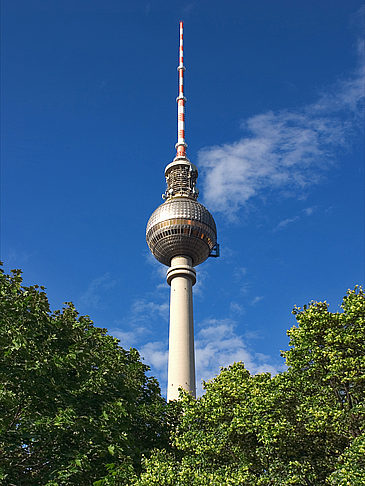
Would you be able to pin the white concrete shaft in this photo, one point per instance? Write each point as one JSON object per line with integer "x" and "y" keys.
{"x": 181, "y": 276}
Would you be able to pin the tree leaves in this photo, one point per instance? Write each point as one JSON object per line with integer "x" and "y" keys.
{"x": 301, "y": 427}
{"x": 72, "y": 400}
{"x": 76, "y": 408}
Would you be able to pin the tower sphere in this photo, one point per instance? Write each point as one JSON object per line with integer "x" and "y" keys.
{"x": 181, "y": 226}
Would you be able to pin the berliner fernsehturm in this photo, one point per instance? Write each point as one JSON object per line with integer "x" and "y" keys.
{"x": 181, "y": 234}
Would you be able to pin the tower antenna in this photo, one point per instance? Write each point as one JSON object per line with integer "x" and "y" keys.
{"x": 181, "y": 145}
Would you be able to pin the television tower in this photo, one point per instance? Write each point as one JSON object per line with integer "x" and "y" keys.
{"x": 181, "y": 233}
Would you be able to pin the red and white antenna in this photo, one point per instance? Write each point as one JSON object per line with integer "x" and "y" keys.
{"x": 181, "y": 145}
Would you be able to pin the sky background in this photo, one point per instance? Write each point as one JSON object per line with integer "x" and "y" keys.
{"x": 274, "y": 122}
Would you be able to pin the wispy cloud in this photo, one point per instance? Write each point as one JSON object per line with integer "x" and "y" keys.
{"x": 286, "y": 151}
{"x": 143, "y": 309}
{"x": 159, "y": 270}
{"x": 16, "y": 258}
{"x": 131, "y": 337}
{"x": 240, "y": 273}
{"x": 201, "y": 278}
{"x": 140, "y": 323}
{"x": 236, "y": 308}
{"x": 245, "y": 288}
{"x": 155, "y": 355}
{"x": 95, "y": 292}
{"x": 309, "y": 211}
{"x": 218, "y": 344}
{"x": 285, "y": 222}
{"x": 288, "y": 221}
{"x": 256, "y": 299}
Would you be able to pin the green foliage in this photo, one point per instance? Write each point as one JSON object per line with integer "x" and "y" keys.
{"x": 351, "y": 470}
{"x": 74, "y": 406}
{"x": 328, "y": 351}
{"x": 302, "y": 427}
{"x": 77, "y": 409}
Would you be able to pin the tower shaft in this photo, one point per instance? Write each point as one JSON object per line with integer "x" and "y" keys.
{"x": 181, "y": 368}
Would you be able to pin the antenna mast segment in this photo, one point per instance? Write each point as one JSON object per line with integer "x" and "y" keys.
{"x": 181, "y": 145}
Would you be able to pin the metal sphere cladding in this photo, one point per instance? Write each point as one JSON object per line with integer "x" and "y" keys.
{"x": 181, "y": 226}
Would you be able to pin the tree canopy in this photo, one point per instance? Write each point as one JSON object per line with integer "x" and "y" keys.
{"x": 73, "y": 403}
{"x": 304, "y": 426}
{"x": 78, "y": 409}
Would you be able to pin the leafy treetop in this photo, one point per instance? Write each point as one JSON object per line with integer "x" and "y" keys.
{"x": 74, "y": 405}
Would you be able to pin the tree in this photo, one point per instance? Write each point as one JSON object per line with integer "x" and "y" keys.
{"x": 75, "y": 407}
{"x": 304, "y": 426}
{"x": 328, "y": 351}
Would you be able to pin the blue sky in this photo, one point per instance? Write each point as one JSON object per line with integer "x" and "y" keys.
{"x": 274, "y": 124}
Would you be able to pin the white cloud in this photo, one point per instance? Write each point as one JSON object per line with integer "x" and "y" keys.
{"x": 250, "y": 335}
{"x": 309, "y": 211}
{"x": 16, "y": 257}
{"x": 218, "y": 344}
{"x": 97, "y": 288}
{"x": 284, "y": 151}
{"x": 143, "y": 309}
{"x": 139, "y": 325}
{"x": 201, "y": 277}
{"x": 159, "y": 269}
{"x": 129, "y": 338}
{"x": 257, "y": 299}
{"x": 239, "y": 273}
{"x": 155, "y": 355}
{"x": 244, "y": 289}
{"x": 236, "y": 308}
{"x": 285, "y": 222}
